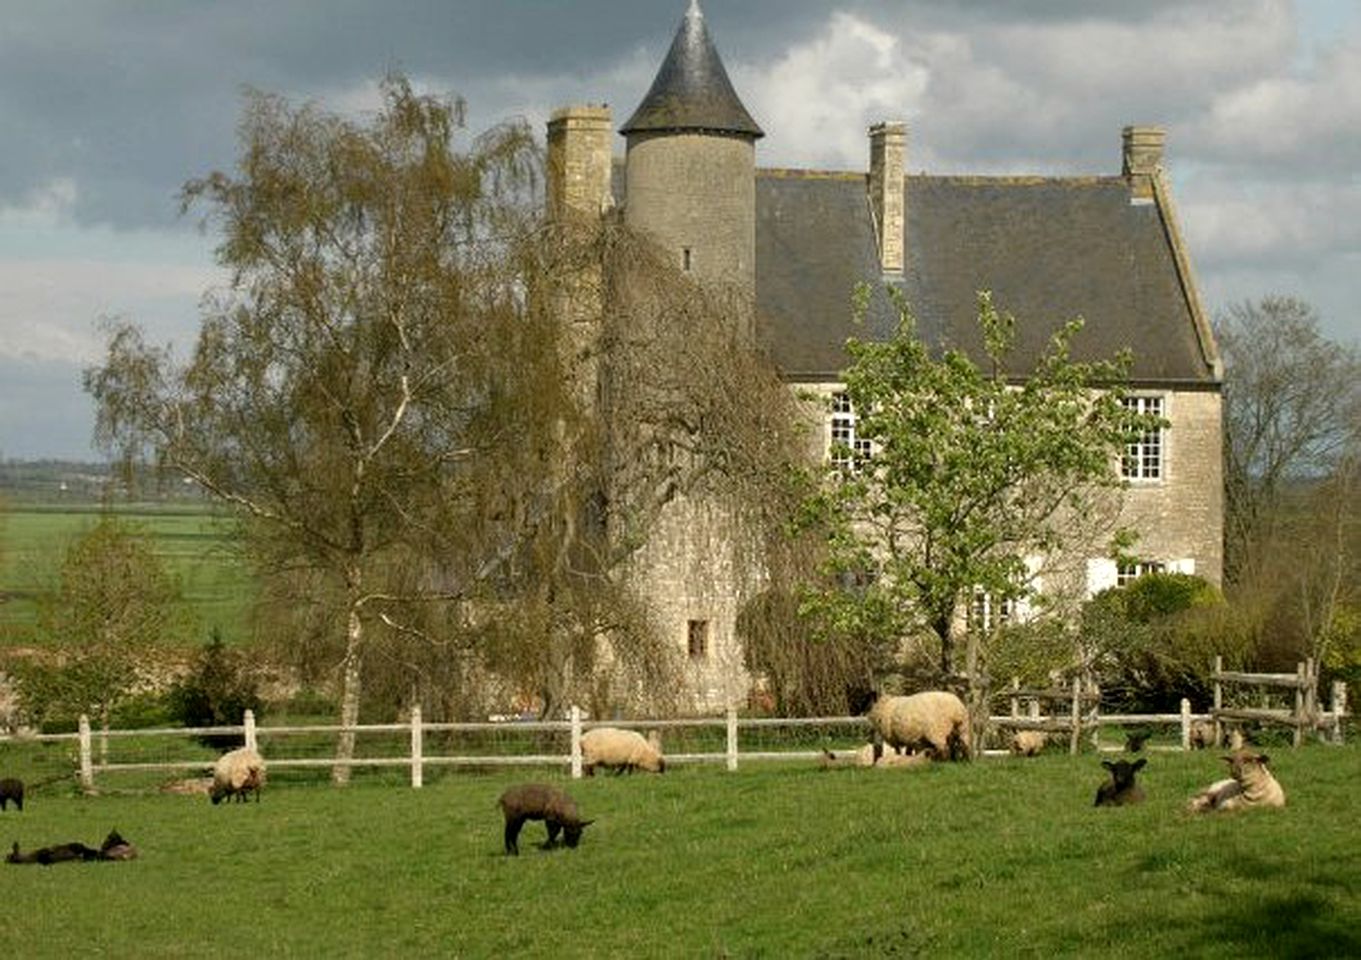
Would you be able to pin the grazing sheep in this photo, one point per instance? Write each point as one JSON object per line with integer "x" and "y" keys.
{"x": 115, "y": 847}
{"x": 934, "y": 722}
{"x": 539, "y": 801}
{"x": 11, "y": 789}
{"x": 1135, "y": 740}
{"x": 1120, "y": 790}
{"x": 621, "y": 750}
{"x": 1250, "y": 784}
{"x": 237, "y": 773}
{"x": 1028, "y": 743}
{"x": 55, "y": 854}
{"x": 1202, "y": 734}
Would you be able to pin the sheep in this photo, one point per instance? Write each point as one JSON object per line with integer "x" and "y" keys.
{"x": 1028, "y": 743}
{"x": 1135, "y": 740}
{"x": 539, "y": 801}
{"x": 11, "y": 789}
{"x": 1250, "y": 784}
{"x": 621, "y": 750}
{"x": 934, "y": 722}
{"x": 54, "y": 854}
{"x": 864, "y": 757}
{"x": 115, "y": 847}
{"x": 236, "y": 774}
{"x": 1202, "y": 734}
{"x": 1120, "y": 790}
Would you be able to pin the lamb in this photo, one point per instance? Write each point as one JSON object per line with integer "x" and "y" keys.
{"x": 1120, "y": 790}
{"x": 1250, "y": 785}
{"x": 236, "y": 774}
{"x": 54, "y": 854}
{"x": 539, "y": 801}
{"x": 1028, "y": 743}
{"x": 11, "y": 789}
{"x": 934, "y": 722}
{"x": 621, "y": 750}
{"x": 1202, "y": 734}
{"x": 864, "y": 757}
{"x": 1135, "y": 740}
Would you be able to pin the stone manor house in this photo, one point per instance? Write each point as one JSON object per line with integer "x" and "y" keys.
{"x": 1105, "y": 247}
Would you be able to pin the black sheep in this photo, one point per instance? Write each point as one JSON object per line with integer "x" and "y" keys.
{"x": 55, "y": 854}
{"x": 539, "y": 801}
{"x": 11, "y": 789}
{"x": 1120, "y": 789}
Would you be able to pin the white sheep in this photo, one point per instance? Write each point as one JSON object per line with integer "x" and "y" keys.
{"x": 864, "y": 757}
{"x": 1202, "y": 734}
{"x": 1028, "y": 743}
{"x": 236, "y": 774}
{"x": 620, "y": 750}
{"x": 1250, "y": 785}
{"x": 934, "y": 722}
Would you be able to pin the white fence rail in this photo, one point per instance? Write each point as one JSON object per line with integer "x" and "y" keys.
{"x": 1073, "y": 721}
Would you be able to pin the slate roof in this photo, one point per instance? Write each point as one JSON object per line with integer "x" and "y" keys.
{"x": 691, "y": 90}
{"x": 1049, "y": 249}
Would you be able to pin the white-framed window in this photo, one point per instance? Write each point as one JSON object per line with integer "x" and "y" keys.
{"x": 1128, "y": 571}
{"x": 988, "y": 613}
{"x": 847, "y": 449}
{"x": 1145, "y": 456}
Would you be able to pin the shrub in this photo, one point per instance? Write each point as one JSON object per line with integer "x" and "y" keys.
{"x": 217, "y": 691}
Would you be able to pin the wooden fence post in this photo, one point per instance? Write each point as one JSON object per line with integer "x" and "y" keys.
{"x": 1219, "y": 701}
{"x": 1185, "y": 724}
{"x": 1015, "y": 702}
{"x": 417, "y": 748}
{"x": 1301, "y": 681}
{"x": 1095, "y": 716}
{"x": 248, "y": 721}
{"x": 732, "y": 737}
{"x": 576, "y": 742}
{"x": 87, "y": 772}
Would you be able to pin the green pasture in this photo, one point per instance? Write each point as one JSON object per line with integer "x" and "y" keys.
{"x": 1002, "y": 857}
{"x": 195, "y": 544}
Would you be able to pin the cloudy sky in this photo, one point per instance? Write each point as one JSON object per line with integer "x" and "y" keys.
{"x": 108, "y": 106}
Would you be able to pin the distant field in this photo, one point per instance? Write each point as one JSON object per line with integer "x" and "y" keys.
{"x": 195, "y": 544}
{"x": 999, "y": 858}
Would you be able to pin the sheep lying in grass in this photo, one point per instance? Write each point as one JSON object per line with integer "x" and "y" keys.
{"x": 864, "y": 757}
{"x": 114, "y": 847}
{"x": 620, "y": 750}
{"x": 1250, "y": 784}
{"x": 539, "y": 801}
{"x": 1028, "y": 743}
{"x": 934, "y": 722}
{"x": 1120, "y": 790}
{"x": 47, "y": 856}
{"x": 1202, "y": 734}
{"x": 237, "y": 773}
{"x": 11, "y": 789}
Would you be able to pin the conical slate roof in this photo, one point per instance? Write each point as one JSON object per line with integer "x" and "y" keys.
{"x": 692, "y": 90}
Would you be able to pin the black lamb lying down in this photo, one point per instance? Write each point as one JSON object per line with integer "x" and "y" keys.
{"x": 539, "y": 801}
{"x": 114, "y": 847}
{"x": 11, "y": 789}
{"x": 1120, "y": 789}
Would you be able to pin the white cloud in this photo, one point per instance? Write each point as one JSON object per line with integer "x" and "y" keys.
{"x": 816, "y": 101}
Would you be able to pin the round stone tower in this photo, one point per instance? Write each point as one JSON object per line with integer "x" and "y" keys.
{"x": 691, "y": 163}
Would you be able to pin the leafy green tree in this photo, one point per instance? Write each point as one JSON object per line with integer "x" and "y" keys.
{"x": 114, "y": 606}
{"x": 973, "y": 467}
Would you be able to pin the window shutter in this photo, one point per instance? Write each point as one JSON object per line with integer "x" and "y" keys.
{"x": 1101, "y": 575}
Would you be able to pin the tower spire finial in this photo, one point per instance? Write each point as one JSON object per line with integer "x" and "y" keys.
{"x": 694, "y": 10}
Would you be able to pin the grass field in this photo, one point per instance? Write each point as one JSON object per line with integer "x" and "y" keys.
{"x": 195, "y": 545}
{"x": 1003, "y": 858}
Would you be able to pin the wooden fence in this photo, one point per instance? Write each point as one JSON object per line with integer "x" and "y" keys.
{"x": 1301, "y": 686}
{"x": 1074, "y": 712}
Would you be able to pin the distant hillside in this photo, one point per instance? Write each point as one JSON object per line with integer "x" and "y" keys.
{"x": 73, "y": 482}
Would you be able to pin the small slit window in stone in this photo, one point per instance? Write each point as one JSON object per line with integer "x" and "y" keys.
{"x": 698, "y": 639}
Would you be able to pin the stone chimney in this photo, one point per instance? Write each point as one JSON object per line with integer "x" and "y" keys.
{"x": 579, "y": 158}
{"x": 888, "y": 198}
{"x": 1143, "y": 159}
